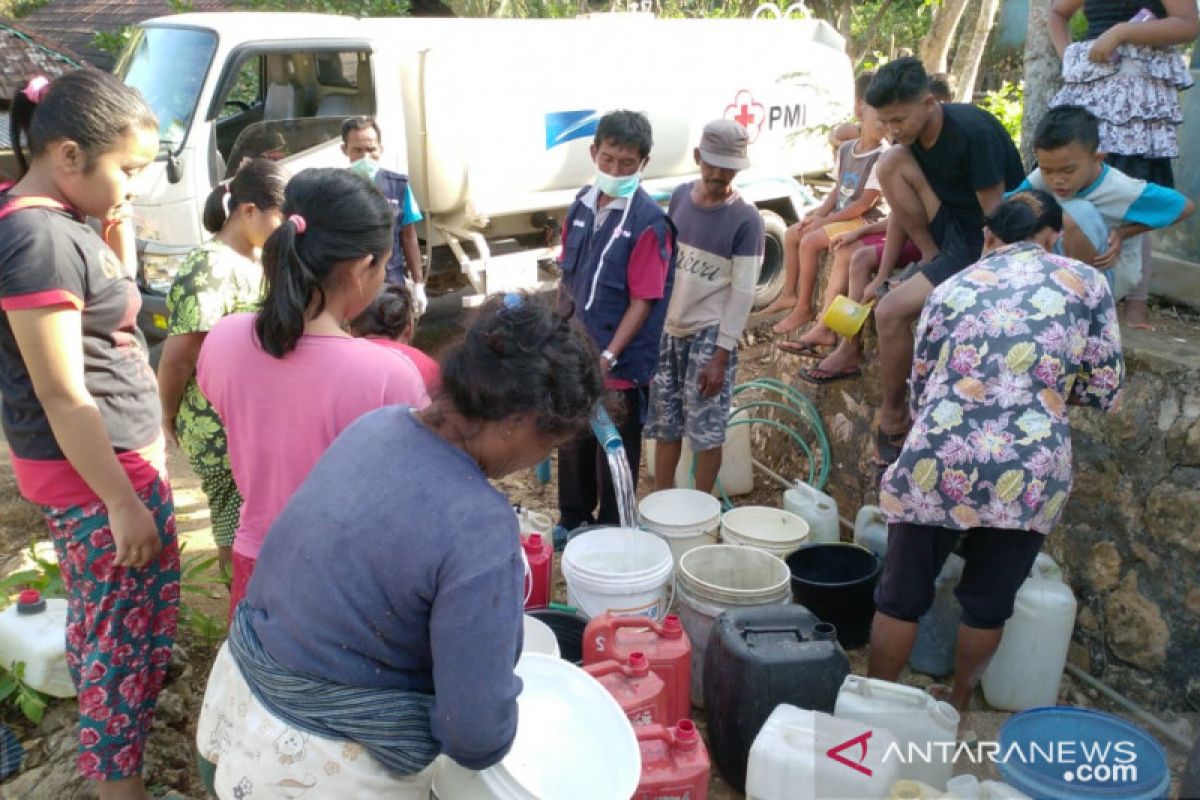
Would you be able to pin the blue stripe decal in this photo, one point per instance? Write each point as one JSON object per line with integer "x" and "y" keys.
{"x": 563, "y": 126}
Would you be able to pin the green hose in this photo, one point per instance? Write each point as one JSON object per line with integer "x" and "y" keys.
{"x": 798, "y": 406}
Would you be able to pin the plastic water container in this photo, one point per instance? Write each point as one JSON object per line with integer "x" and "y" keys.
{"x": 620, "y": 570}
{"x": 640, "y": 692}
{"x": 666, "y": 647}
{"x": 684, "y": 518}
{"x": 737, "y": 472}
{"x": 791, "y": 758}
{"x": 539, "y": 638}
{"x": 914, "y": 790}
{"x": 937, "y": 630}
{"x": 836, "y": 581}
{"x": 757, "y": 658}
{"x": 716, "y": 578}
{"x": 914, "y": 717}
{"x": 674, "y": 763}
{"x": 595, "y": 754}
{"x": 567, "y": 628}
{"x": 871, "y": 531}
{"x": 1027, "y": 668}
{"x": 816, "y": 508}
{"x": 34, "y": 630}
{"x": 771, "y": 530}
{"x": 539, "y": 553}
{"x": 1121, "y": 759}
{"x": 968, "y": 787}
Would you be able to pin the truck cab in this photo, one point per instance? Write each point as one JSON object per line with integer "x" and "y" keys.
{"x": 485, "y": 116}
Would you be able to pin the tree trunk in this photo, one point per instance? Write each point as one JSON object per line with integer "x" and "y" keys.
{"x": 1043, "y": 74}
{"x": 935, "y": 45}
{"x": 970, "y": 51}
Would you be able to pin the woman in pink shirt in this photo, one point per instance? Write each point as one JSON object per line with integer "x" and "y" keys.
{"x": 289, "y": 378}
{"x": 388, "y": 322}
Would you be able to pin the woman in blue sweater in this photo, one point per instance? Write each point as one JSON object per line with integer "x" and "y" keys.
{"x": 383, "y": 629}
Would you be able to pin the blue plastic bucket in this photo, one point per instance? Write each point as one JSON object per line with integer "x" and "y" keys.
{"x": 1066, "y": 753}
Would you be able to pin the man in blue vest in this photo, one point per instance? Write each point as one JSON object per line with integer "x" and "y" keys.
{"x": 618, "y": 254}
{"x": 363, "y": 145}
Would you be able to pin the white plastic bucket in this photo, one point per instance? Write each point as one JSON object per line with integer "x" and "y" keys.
{"x": 620, "y": 570}
{"x": 771, "y": 530}
{"x": 595, "y": 754}
{"x": 715, "y": 578}
{"x": 539, "y": 639}
{"x": 684, "y": 518}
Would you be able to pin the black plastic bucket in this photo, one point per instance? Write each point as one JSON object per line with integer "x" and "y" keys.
{"x": 568, "y": 630}
{"x": 836, "y": 581}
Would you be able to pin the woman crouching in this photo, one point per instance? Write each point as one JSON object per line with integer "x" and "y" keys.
{"x": 384, "y": 628}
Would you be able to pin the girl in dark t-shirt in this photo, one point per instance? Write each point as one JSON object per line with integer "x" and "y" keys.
{"x": 80, "y": 409}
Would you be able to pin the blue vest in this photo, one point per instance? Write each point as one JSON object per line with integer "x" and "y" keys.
{"x": 581, "y": 262}
{"x": 394, "y": 186}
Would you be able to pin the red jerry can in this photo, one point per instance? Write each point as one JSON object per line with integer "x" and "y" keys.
{"x": 674, "y": 763}
{"x": 665, "y": 645}
{"x": 641, "y": 693}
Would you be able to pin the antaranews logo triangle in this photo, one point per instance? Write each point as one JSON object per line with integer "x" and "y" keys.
{"x": 859, "y": 741}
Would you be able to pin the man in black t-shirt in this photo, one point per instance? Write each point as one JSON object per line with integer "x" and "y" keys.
{"x": 949, "y": 166}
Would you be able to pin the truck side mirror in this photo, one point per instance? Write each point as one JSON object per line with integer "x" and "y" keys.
{"x": 174, "y": 167}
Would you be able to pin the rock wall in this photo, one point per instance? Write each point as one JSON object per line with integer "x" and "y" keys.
{"x": 1129, "y": 542}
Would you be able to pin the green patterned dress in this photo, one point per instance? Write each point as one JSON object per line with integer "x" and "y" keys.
{"x": 214, "y": 281}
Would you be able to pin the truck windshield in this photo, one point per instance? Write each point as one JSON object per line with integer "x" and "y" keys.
{"x": 168, "y": 66}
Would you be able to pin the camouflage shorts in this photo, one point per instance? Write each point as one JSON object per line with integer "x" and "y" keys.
{"x": 677, "y": 408}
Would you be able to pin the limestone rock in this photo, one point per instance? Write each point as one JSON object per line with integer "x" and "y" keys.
{"x": 1192, "y": 601}
{"x": 1136, "y": 630}
{"x": 1087, "y": 620}
{"x": 1105, "y": 568}
{"x": 60, "y": 781}
{"x": 1171, "y": 512}
{"x": 1145, "y": 555}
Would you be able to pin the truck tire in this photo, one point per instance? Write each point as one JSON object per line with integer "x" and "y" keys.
{"x": 770, "y": 277}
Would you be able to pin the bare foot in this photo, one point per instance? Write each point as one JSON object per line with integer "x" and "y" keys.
{"x": 839, "y": 361}
{"x": 781, "y": 304}
{"x": 798, "y": 317}
{"x": 819, "y": 336}
{"x": 1137, "y": 314}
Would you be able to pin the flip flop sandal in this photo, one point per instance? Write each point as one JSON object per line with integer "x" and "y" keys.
{"x": 888, "y": 447}
{"x": 820, "y": 377}
{"x": 807, "y": 349}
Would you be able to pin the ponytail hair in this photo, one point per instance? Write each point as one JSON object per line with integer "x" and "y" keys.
{"x": 333, "y": 216}
{"x": 1024, "y": 214}
{"x": 389, "y": 315}
{"x": 91, "y": 108}
{"x": 258, "y": 180}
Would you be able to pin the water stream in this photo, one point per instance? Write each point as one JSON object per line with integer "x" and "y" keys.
{"x": 618, "y": 465}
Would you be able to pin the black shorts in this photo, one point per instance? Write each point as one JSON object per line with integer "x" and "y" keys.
{"x": 959, "y": 246}
{"x": 998, "y": 562}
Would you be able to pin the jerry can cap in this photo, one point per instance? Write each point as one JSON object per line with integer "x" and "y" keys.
{"x": 30, "y": 601}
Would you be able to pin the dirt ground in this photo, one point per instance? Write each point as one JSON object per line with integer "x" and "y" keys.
{"x": 48, "y": 772}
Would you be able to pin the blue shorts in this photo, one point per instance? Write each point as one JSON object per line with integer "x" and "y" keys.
{"x": 677, "y": 408}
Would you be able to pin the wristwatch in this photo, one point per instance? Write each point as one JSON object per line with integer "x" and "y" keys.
{"x": 608, "y": 356}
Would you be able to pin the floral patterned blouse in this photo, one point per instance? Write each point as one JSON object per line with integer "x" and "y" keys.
{"x": 1001, "y": 349}
{"x": 214, "y": 281}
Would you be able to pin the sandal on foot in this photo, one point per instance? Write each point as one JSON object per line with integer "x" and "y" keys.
{"x": 888, "y": 446}
{"x": 818, "y": 376}
{"x": 806, "y": 349}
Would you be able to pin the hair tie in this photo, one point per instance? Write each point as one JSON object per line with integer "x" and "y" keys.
{"x": 513, "y": 300}
{"x": 300, "y": 223}
{"x": 35, "y": 90}
{"x": 227, "y": 201}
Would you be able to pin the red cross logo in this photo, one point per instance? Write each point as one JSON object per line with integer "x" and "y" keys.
{"x": 747, "y": 112}
{"x": 860, "y": 741}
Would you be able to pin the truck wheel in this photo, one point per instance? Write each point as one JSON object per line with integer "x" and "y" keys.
{"x": 770, "y": 278}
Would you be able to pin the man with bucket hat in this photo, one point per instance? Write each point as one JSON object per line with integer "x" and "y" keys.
{"x": 720, "y": 243}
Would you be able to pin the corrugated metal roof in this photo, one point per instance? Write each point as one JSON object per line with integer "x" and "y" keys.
{"x": 23, "y": 55}
{"x": 75, "y": 22}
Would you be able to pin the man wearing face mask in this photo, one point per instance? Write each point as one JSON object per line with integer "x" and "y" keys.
{"x": 617, "y": 258}
{"x": 721, "y": 245}
{"x": 362, "y": 144}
